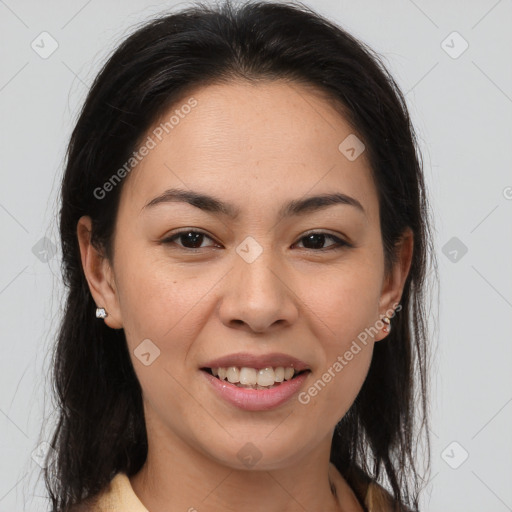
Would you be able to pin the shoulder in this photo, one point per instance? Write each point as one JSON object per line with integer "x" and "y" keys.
{"x": 379, "y": 499}
{"x": 117, "y": 495}
{"x": 374, "y": 497}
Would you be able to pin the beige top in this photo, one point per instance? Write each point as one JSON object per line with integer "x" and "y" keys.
{"x": 119, "y": 496}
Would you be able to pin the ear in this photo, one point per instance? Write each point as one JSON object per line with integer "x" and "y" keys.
{"x": 394, "y": 282}
{"x": 99, "y": 275}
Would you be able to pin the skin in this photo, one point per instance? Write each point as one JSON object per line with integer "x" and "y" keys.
{"x": 257, "y": 147}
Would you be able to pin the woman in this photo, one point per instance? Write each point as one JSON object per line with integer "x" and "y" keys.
{"x": 245, "y": 239}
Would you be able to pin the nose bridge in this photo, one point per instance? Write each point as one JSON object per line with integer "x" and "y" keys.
{"x": 255, "y": 269}
{"x": 256, "y": 294}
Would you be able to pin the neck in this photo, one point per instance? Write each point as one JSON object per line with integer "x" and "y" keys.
{"x": 178, "y": 478}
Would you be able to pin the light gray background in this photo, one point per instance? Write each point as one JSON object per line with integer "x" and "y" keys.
{"x": 462, "y": 109}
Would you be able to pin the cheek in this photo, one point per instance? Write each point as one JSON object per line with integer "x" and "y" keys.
{"x": 163, "y": 305}
{"x": 332, "y": 389}
{"x": 336, "y": 383}
{"x": 342, "y": 307}
{"x": 158, "y": 299}
{"x": 343, "y": 303}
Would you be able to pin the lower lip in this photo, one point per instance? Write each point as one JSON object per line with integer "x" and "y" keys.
{"x": 256, "y": 399}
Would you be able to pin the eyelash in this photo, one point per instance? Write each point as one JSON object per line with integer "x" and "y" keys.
{"x": 340, "y": 244}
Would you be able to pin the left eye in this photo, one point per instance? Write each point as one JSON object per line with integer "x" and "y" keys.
{"x": 193, "y": 240}
{"x": 317, "y": 240}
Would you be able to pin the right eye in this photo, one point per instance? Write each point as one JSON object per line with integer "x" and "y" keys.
{"x": 191, "y": 239}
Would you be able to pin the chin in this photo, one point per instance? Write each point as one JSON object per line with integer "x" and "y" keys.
{"x": 258, "y": 452}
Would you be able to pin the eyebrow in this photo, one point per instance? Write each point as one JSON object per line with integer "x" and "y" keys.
{"x": 216, "y": 206}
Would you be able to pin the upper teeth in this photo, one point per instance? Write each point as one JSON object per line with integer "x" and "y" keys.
{"x": 252, "y": 376}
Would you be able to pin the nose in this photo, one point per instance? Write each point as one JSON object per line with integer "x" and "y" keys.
{"x": 258, "y": 296}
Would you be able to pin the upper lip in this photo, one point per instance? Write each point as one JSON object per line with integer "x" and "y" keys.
{"x": 242, "y": 359}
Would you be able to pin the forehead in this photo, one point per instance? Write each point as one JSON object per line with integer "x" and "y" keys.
{"x": 261, "y": 142}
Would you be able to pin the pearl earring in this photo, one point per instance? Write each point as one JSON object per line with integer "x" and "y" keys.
{"x": 387, "y": 327}
{"x": 101, "y": 313}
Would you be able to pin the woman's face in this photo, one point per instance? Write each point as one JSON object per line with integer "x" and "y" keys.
{"x": 268, "y": 277}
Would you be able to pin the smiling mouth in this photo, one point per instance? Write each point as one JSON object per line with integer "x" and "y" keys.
{"x": 254, "y": 378}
